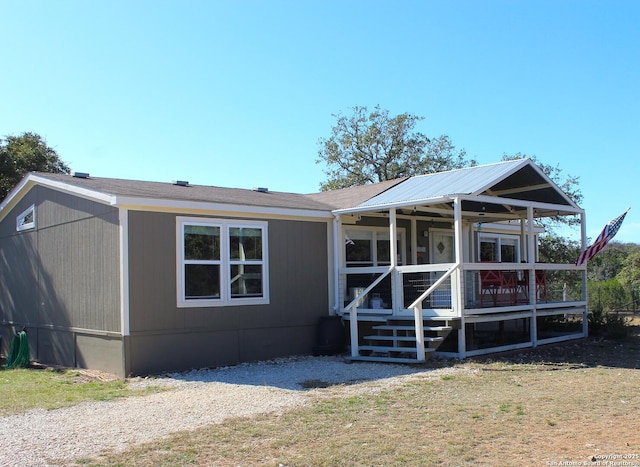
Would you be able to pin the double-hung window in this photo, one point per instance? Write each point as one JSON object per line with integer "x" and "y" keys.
{"x": 221, "y": 262}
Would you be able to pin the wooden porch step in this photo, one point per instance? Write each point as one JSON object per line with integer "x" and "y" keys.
{"x": 395, "y": 340}
{"x": 384, "y": 352}
{"x": 410, "y": 318}
{"x": 401, "y": 338}
{"x": 376, "y": 358}
{"x": 388, "y": 348}
{"x": 402, "y": 327}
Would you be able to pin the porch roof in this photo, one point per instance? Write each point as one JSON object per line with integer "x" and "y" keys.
{"x": 486, "y": 188}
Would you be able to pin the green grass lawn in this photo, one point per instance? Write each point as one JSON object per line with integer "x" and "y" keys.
{"x": 29, "y": 388}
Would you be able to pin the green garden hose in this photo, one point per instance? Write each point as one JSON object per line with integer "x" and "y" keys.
{"x": 19, "y": 356}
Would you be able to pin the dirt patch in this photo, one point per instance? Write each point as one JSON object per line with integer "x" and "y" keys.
{"x": 81, "y": 375}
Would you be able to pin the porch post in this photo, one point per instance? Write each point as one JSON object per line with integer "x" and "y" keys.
{"x": 583, "y": 244}
{"x": 338, "y": 249}
{"x": 393, "y": 253}
{"x": 338, "y": 243}
{"x": 531, "y": 259}
{"x": 393, "y": 238}
{"x": 524, "y": 246}
{"x": 457, "y": 283}
{"x": 353, "y": 331}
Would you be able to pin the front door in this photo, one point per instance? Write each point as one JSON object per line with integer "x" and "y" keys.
{"x": 442, "y": 251}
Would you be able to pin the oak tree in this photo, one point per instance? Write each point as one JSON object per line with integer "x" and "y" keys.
{"x": 373, "y": 146}
{"x": 26, "y": 153}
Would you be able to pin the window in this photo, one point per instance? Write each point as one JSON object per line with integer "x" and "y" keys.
{"x": 359, "y": 248}
{"x": 502, "y": 248}
{"x": 508, "y": 251}
{"x": 369, "y": 246}
{"x": 222, "y": 262}
{"x": 27, "y": 219}
{"x": 488, "y": 250}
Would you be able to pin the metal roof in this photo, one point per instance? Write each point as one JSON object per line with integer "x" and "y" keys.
{"x": 454, "y": 182}
{"x": 518, "y": 179}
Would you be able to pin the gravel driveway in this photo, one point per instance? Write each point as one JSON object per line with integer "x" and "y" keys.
{"x": 196, "y": 399}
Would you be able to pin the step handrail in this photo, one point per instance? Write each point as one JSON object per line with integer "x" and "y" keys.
{"x": 434, "y": 286}
{"x": 353, "y": 312}
{"x": 417, "y": 312}
{"x": 367, "y": 290}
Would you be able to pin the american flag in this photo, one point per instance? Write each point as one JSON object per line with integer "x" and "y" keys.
{"x": 609, "y": 231}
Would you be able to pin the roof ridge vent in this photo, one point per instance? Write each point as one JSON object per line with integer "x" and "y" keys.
{"x": 261, "y": 189}
{"x": 80, "y": 174}
{"x": 181, "y": 182}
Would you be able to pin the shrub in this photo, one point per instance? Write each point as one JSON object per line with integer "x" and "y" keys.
{"x": 606, "y": 324}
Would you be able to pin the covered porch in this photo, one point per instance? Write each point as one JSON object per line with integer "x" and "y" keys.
{"x": 449, "y": 262}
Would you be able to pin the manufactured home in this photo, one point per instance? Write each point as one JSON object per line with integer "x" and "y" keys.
{"x": 138, "y": 277}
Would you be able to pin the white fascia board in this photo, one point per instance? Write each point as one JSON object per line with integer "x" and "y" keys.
{"x": 573, "y": 209}
{"x": 76, "y": 190}
{"x": 154, "y": 204}
{"x": 32, "y": 179}
{"x": 13, "y": 196}
{"x": 399, "y": 204}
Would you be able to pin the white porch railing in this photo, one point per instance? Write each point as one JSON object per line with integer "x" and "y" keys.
{"x": 451, "y": 291}
{"x": 396, "y": 290}
{"x": 521, "y": 286}
{"x": 417, "y": 279}
{"x": 352, "y": 307}
{"x": 434, "y": 276}
{"x": 416, "y": 306}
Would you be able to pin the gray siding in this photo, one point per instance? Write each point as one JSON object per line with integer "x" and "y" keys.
{"x": 79, "y": 273}
{"x": 165, "y": 337}
{"x": 19, "y": 286}
{"x": 18, "y": 269}
{"x": 152, "y": 272}
{"x": 60, "y": 280}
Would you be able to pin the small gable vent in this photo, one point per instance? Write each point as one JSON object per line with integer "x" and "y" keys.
{"x": 181, "y": 182}
{"x": 80, "y": 174}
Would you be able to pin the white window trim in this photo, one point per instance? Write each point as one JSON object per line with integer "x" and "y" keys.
{"x": 365, "y": 232}
{"x": 498, "y": 237}
{"x": 21, "y": 225}
{"x": 225, "y": 263}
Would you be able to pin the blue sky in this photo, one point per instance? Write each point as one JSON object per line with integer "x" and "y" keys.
{"x": 237, "y": 93}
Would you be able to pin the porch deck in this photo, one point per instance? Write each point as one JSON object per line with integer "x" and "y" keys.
{"x": 536, "y": 306}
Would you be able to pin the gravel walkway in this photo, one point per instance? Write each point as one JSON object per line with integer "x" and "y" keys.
{"x": 195, "y": 399}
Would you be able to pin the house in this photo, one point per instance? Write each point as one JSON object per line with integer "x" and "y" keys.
{"x": 137, "y": 277}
